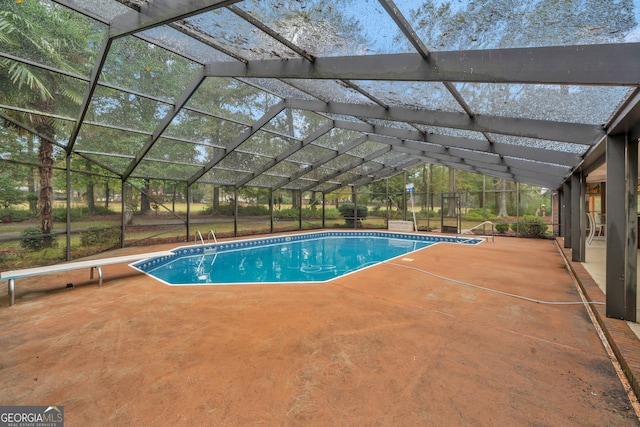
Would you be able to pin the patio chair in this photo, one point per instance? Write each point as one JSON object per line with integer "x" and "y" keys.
{"x": 600, "y": 226}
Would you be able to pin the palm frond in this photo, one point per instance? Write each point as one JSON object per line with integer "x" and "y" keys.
{"x": 20, "y": 75}
{"x": 11, "y": 23}
{"x": 73, "y": 95}
{"x": 59, "y": 124}
{"x": 6, "y": 28}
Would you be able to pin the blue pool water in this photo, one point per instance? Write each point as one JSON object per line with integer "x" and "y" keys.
{"x": 314, "y": 257}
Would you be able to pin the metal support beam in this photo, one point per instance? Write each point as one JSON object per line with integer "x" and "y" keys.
{"x": 402, "y": 23}
{"x": 321, "y": 162}
{"x": 560, "y": 207}
{"x": 123, "y": 213}
{"x": 567, "y": 65}
{"x": 93, "y": 82}
{"x": 68, "y": 206}
{"x": 189, "y": 196}
{"x": 387, "y": 202}
{"x": 282, "y": 156}
{"x": 497, "y": 167}
{"x": 583, "y": 217}
{"x": 349, "y": 167}
{"x": 271, "y": 211}
{"x": 383, "y": 173}
{"x": 268, "y": 30}
{"x": 235, "y": 211}
{"x": 627, "y": 117}
{"x": 404, "y": 196}
{"x": 631, "y": 285}
{"x": 518, "y": 200}
{"x": 577, "y": 133}
{"x": 616, "y": 228}
{"x": 255, "y": 127}
{"x": 566, "y": 217}
{"x": 324, "y": 204}
{"x": 354, "y": 198}
{"x": 160, "y": 12}
{"x": 166, "y": 121}
{"x": 299, "y": 194}
{"x": 622, "y": 228}
{"x": 577, "y": 223}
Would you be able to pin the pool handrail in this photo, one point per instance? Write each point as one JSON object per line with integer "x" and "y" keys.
{"x": 476, "y": 226}
{"x": 209, "y": 236}
{"x": 195, "y": 238}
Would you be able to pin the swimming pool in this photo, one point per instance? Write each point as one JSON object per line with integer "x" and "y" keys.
{"x": 300, "y": 258}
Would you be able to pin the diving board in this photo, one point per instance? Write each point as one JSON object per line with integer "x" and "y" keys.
{"x": 92, "y": 264}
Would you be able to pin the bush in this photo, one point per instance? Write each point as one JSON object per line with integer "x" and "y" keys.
{"x": 243, "y": 210}
{"x": 101, "y": 210}
{"x": 253, "y": 210}
{"x": 311, "y": 212}
{"x": 331, "y": 213}
{"x": 473, "y": 216}
{"x": 347, "y": 211}
{"x": 93, "y": 236}
{"x": 208, "y": 210}
{"x": 502, "y": 227}
{"x": 60, "y": 214}
{"x": 378, "y": 212}
{"x": 423, "y": 214}
{"x": 530, "y": 226}
{"x": 17, "y": 214}
{"x": 33, "y": 239}
{"x": 476, "y": 214}
{"x": 262, "y": 210}
{"x": 78, "y": 212}
{"x": 288, "y": 213}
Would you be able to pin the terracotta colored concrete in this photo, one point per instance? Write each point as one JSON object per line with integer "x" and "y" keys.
{"x": 385, "y": 346}
{"x": 624, "y": 342}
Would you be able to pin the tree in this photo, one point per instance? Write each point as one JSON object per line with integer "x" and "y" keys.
{"x": 425, "y": 185}
{"x": 13, "y": 175}
{"x": 57, "y": 37}
{"x": 9, "y": 194}
{"x": 502, "y": 211}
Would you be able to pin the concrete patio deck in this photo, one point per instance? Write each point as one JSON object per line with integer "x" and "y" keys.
{"x": 390, "y": 345}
